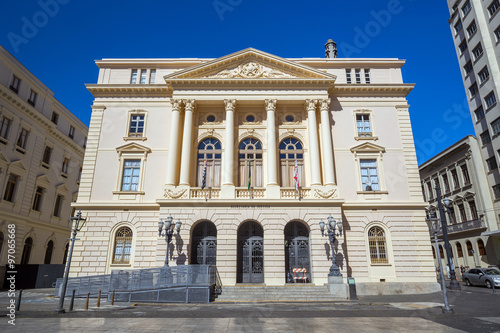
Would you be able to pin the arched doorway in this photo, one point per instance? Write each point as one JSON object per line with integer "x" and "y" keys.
{"x": 204, "y": 244}
{"x": 297, "y": 250}
{"x": 250, "y": 253}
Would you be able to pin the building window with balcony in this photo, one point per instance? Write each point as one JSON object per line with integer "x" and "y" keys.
{"x": 4, "y": 128}
{"x": 485, "y": 137}
{"x": 454, "y": 176}
{"x": 23, "y": 138}
{"x": 363, "y": 125}
{"x": 209, "y": 163}
{"x": 463, "y": 216}
{"x": 369, "y": 175}
{"x": 378, "y": 245}
{"x": 348, "y": 75}
{"x": 250, "y": 163}
{"x": 493, "y": 7}
{"x": 32, "y": 98}
{"x": 131, "y": 175}
{"x": 490, "y": 100}
{"x": 37, "y": 200}
{"x": 291, "y": 157}
{"x": 460, "y": 253}
{"x": 10, "y": 188}
{"x": 480, "y": 247}
{"x": 465, "y": 174}
{"x": 473, "y": 209}
{"x": 136, "y": 128}
{"x": 477, "y": 52}
{"x": 15, "y": 83}
{"x": 58, "y": 205}
{"x": 471, "y": 29}
{"x": 123, "y": 246}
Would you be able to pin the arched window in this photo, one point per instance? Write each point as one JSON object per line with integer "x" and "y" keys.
{"x": 480, "y": 246}
{"x": 441, "y": 252}
{"x": 209, "y": 163}
{"x": 469, "y": 248}
{"x": 123, "y": 245}
{"x": 66, "y": 249}
{"x": 250, "y": 163}
{"x": 48, "y": 252}
{"x": 460, "y": 253}
{"x": 378, "y": 247}
{"x": 291, "y": 154}
{"x": 28, "y": 245}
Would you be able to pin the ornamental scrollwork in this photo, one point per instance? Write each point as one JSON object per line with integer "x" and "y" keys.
{"x": 330, "y": 194}
{"x": 251, "y": 70}
{"x": 169, "y": 193}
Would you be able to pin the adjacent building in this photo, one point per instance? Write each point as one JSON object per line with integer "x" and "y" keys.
{"x": 470, "y": 215}
{"x": 250, "y": 151}
{"x": 41, "y": 155}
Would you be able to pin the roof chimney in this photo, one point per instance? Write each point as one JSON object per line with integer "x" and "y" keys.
{"x": 330, "y": 49}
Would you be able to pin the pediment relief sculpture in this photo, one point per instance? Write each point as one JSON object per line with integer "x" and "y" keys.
{"x": 251, "y": 70}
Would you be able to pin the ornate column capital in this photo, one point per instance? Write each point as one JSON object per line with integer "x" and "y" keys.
{"x": 270, "y": 104}
{"x": 176, "y": 104}
{"x": 189, "y": 104}
{"x": 311, "y": 104}
{"x": 230, "y": 104}
{"x": 324, "y": 104}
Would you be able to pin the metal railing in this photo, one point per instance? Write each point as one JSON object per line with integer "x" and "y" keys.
{"x": 435, "y": 225}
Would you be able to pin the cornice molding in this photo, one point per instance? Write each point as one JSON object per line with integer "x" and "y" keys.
{"x": 129, "y": 90}
{"x": 397, "y": 90}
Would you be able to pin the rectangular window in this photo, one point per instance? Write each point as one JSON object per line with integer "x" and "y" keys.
{"x": 32, "y": 98}
{"x": 468, "y": 67}
{"x": 473, "y": 90}
{"x": 46, "y": 155}
{"x": 458, "y": 26}
{"x": 152, "y": 76}
{"x": 348, "y": 75}
{"x": 15, "y": 83}
{"x": 423, "y": 193}
{"x": 55, "y": 117}
{"x": 493, "y": 7}
{"x": 4, "y": 127}
{"x": 484, "y": 74}
{"x": 136, "y": 125}
{"x": 131, "y": 173}
{"x": 57, "y": 206}
{"x": 479, "y": 112}
{"x": 357, "y": 72}
{"x": 496, "y": 191}
{"x": 485, "y": 137}
{"x": 462, "y": 47}
{"x": 473, "y": 210}
{"x": 363, "y": 124}
{"x": 454, "y": 176}
{"x": 461, "y": 209}
{"x": 71, "y": 132}
{"x": 10, "y": 189}
{"x": 497, "y": 33}
{"x": 65, "y": 165}
{"x": 143, "y": 76}
{"x": 466, "y": 8}
{"x": 495, "y": 126}
{"x": 37, "y": 200}
{"x": 446, "y": 183}
{"x": 471, "y": 29}
{"x": 465, "y": 174}
{"x": 490, "y": 99}
{"x": 492, "y": 163}
{"x": 23, "y": 138}
{"x": 367, "y": 76}
{"x": 431, "y": 193}
{"x": 453, "y": 218}
{"x": 477, "y": 51}
{"x": 369, "y": 176}
{"x": 133, "y": 78}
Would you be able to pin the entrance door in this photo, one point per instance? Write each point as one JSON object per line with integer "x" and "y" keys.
{"x": 204, "y": 245}
{"x": 297, "y": 250}
{"x": 250, "y": 253}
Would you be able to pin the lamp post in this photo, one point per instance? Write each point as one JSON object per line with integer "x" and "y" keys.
{"x": 332, "y": 225}
{"x": 79, "y": 221}
{"x": 454, "y": 285}
{"x": 169, "y": 231}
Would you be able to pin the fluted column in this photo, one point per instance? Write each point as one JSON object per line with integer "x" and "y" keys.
{"x": 229, "y": 144}
{"x": 326, "y": 137}
{"x": 174, "y": 142}
{"x": 189, "y": 105}
{"x": 312, "y": 128}
{"x": 272, "y": 169}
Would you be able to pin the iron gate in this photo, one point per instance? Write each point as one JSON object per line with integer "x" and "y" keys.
{"x": 204, "y": 248}
{"x": 297, "y": 250}
{"x": 250, "y": 253}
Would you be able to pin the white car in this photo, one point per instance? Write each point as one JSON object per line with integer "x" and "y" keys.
{"x": 482, "y": 276}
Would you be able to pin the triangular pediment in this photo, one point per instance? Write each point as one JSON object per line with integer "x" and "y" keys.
{"x": 43, "y": 179}
{"x": 133, "y": 148}
{"x": 62, "y": 188}
{"x": 249, "y": 64}
{"x": 19, "y": 165}
{"x": 3, "y": 159}
{"x": 368, "y": 147}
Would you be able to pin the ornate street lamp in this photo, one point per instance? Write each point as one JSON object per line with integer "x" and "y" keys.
{"x": 454, "y": 285}
{"x": 332, "y": 234}
{"x": 78, "y": 224}
{"x": 169, "y": 231}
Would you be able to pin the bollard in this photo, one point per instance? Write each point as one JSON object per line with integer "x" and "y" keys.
{"x": 72, "y": 300}
{"x": 99, "y": 299}
{"x": 87, "y": 303}
{"x": 113, "y": 298}
{"x": 18, "y": 302}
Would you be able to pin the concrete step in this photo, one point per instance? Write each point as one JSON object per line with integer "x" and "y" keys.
{"x": 254, "y": 293}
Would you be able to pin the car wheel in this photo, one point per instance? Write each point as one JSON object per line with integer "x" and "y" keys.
{"x": 488, "y": 284}
{"x": 467, "y": 282}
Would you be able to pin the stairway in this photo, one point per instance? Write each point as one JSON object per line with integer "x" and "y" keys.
{"x": 256, "y": 293}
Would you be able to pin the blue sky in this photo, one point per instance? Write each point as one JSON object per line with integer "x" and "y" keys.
{"x": 66, "y": 36}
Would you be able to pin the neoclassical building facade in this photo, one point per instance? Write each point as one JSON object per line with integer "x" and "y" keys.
{"x": 250, "y": 151}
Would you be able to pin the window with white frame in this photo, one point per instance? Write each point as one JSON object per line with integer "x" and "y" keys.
{"x": 468, "y": 67}
{"x": 495, "y": 126}
{"x": 71, "y": 132}
{"x": 65, "y": 165}
{"x": 250, "y": 163}
{"x": 484, "y": 74}
{"x": 357, "y": 73}
{"x": 471, "y": 29}
{"x": 209, "y": 163}
{"x": 23, "y": 138}
{"x": 133, "y": 78}
{"x": 477, "y": 52}
{"x": 123, "y": 246}
{"x": 368, "y": 79}
{"x": 378, "y": 245}
{"x": 493, "y": 7}
{"x": 143, "y": 76}
{"x": 369, "y": 174}
{"x": 131, "y": 175}
{"x": 4, "y": 127}
{"x": 466, "y": 8}
{"x": 136, "y": 128}
{"x": 15, "y": 83}
{"x": 152, "y": 76}
{"x": 291, "y": 163}
{"x": 462, "y": 46}
{"x": 363, "y": 125}
{"x": 348, "y": 75}
{"x": 490, "y": 99}
{"x": 479, "y": 113}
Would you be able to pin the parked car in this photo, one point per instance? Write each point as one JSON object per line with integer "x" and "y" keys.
{"x": 482, "y": 276}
